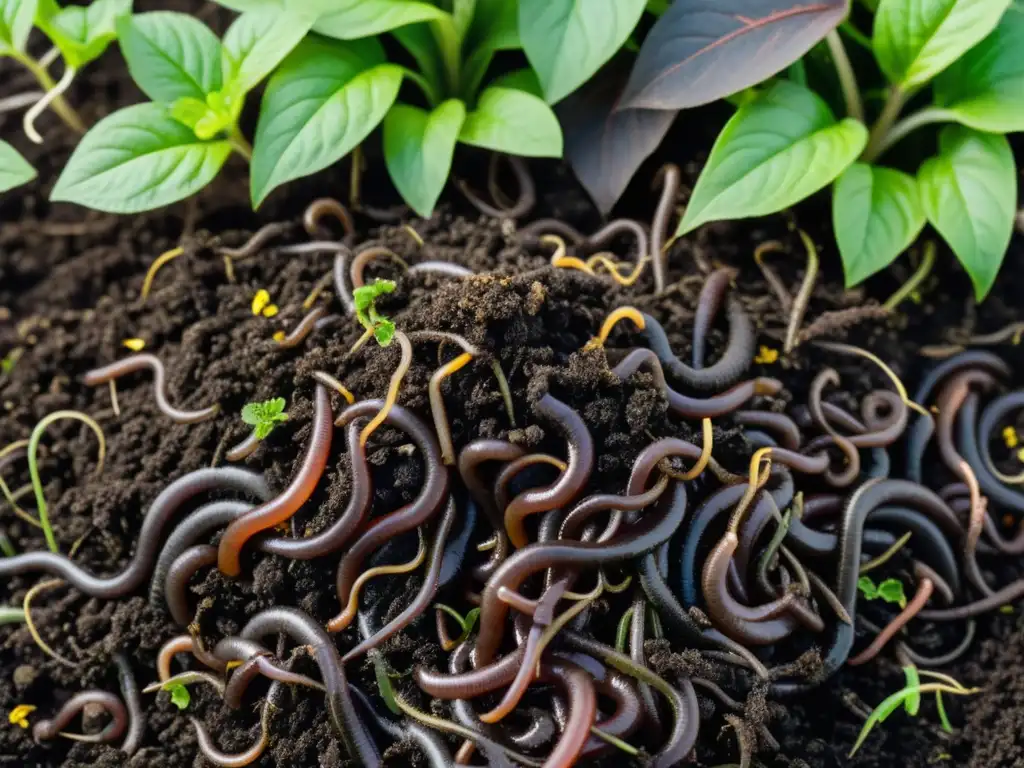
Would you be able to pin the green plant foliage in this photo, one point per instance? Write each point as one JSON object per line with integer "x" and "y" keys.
{"x": 14, "y": 169}
{"x": 890, "y": 590}
{"x": 171, "y": 56}
{"x": 264, "y": 417}
{"x": 80, "y": 33}
{"x": 513, "y": 121}
{"x": 777, "y": 149}
{"x": 16, "y": 17}
{"x": 256, "y": 43}
{"x": 180, "y": 697}
{"x": 354, "y": 19}
{"x": 365, "y": 299}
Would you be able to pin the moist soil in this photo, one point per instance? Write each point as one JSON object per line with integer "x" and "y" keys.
{"x": 70, "y": 284}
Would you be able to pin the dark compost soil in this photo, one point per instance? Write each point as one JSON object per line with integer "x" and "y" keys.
{"x": 69, "y": 296}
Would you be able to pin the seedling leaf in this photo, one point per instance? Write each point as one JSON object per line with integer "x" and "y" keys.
{"x": 515, "y": 122}
{"x": 891, "y": 590}
{"x": 180, "y": 696}
{"x": 16, "y": 18}
{"x": 81, "y": 33}
{"x": 912, "y": 704}
{"x": 255, "y": 44}
{"x": 354, "y": 19}
{"x": 264, "y": 416}
{"x": 14, "y": 169}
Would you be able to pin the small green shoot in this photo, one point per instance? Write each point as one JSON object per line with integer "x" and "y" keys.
{"x": 180, "y": 696}
{"x": 913, "y": 703}
{"x": 264, "y": 417}
{"x": 365, "y": 298}
{"x": 890, "y": 590}
{"x": 10, "y": 360}
{"x": 467, "y": 623}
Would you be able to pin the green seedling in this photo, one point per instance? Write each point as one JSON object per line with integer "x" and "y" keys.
{"x": 180, "y": 697}
{"x": 365, "y": 299}
{"x": 264, "y": 417}
{"x": 890, "y": 590}
{"x": 14, "y": 171}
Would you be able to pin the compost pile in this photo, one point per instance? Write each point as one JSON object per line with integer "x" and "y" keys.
{"x": 557, "y": 517}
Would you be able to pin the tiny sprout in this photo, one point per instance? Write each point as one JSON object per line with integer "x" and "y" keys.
{"x": 10, "y": 360}
{"x": 180, "y": 696}
{"x": 19, "y": 715}
{"x": 365, "y": 298}
{"x": 890, "y": 590}
{"x": 263, "y": 417}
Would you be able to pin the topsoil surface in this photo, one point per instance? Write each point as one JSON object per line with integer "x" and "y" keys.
{"x": 70, "y": 294}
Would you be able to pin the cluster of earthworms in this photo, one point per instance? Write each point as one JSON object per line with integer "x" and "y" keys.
{"x": 750, "y": 569}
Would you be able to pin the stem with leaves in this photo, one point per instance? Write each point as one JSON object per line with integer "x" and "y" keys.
{"x": 64, "y": 110}
{"x": 899, "y": 131}
{"x": 894, "y": 104}
{"x": 847, "y": 77}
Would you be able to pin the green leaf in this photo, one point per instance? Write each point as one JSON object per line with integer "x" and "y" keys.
{"x": 419, "y": 41}
{"x": 81, "y": 33}
{"x": 462, "y": 16}
{"x": 14, "y": 169}
{"x": 567, "y": 41}
{"x": 943, "y": 717}
{"x": 418, "y": 149}
{"x": 384, "y": 332}
{"x": 180, "y": 696}
{"x": 779, "y": 148}
{"x": 970, "y": 196}
{"x": 15, "y": 24}
{"x": 520, "y": 80}
{"x": 912, "y": 704}
{"x": 984, "y": 89}
{"x": 891, "y": 590}
{"x": 364, "y": 296}
{"x": 882, "y": 711}
{"x": 876, "y": 214}
{"x": 516, "y": 122}
{"x": 170, "y": 56}
{"x": 256, "y": 43}
{"x": 323, "y": 101}
{"x": 495, "y": 28}
{"x": 137, "y": 159}
{"x": 263, "y": 417}
{"x": 914, "y": 40}
{"x": 867, "y": 587}
{"x": 353, "y": 19}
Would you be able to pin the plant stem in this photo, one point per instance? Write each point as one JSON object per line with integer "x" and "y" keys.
{"x": 856, "y": 35}
{"x": 424, "y": 85}
{"x": 64, "y": 110}
{"x": 894, "y": 103}
{"x": 927, "y": 262}
{"x": 907, "y": 125}
{"x": 11, "y": 615}
{"x": 239, "y": 143}
{"x": 847, "y": 77}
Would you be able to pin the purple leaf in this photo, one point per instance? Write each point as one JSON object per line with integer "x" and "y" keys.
{"x": 606, "y": 147}
{"x": 700, "y": 51}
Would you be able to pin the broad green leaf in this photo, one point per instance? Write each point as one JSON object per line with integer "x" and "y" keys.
{"x": 778, "y": 149}
{"x": 462, "y": 16}
{"x": 876, "y": 214}
{"x": 914, "y": 40}
{"x": 419, "y": 41}
{"x": 243, "y": 6}
{"x": 14, "y": 169}
{"x": 913, "y": 703}
{"x": 521, "y": 80}
{"x": 969, "y": 193}
{"x": 170, "y": 56}
{"x": 418, "y": 148}
{"x": 495, "y": 28}
{"x": 323, "y": 100}
{"x": 567, "y": 41}
{"x": 352, "y": 19}
{"x": 16, "y": 18}
{"x": 256, "y": 43}
{"x": 81, "y": 33}
{"x": 984, "y": 89}
{"x": 515, "y": 122}
{"x": 137, "y": 159}
{"x": 189, "y": 111}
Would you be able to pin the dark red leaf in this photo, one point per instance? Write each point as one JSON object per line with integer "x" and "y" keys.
{"x": 603, "y": 146}
{"x": 700, "y": 51}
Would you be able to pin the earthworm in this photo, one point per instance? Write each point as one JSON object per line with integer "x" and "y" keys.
{"x": 511, "y": 470}
{"x": 174, "y": 646}
{"x": 523, "y": 205}
{"x": 243, "y": 449}
{"x": 615, "y": 228}
{"x": 626, "y": 718}
{"x": 991, "y": 416}
{"x": 330, "y": 381}
{"x": 826, "y": 377}
{"x": 770, "y": 276}
{"x": 997, "y": 492}
{"x": 334, "y": 536}
{"x": 668, "y": 176}
{"x": 779, "y": 423}
{"x": 285, "y": 505}
{"x": 437, "y": 409}
{"x": 581, "y": 460}
{"x": 299, "y": 333}
{"x": 136, "y": 715}
{"x": 684, "y": 705}
{"x": 326, "y": 206}
{"x": 947, "y": 658}
{"x": 340, "y": 286}
{"x": 260, "y": 238}
{"x": 190, "y": 677}
{"x": 192, "y": 528}
{"x": 137, "y": 363}
{"x": 442, "y": 268}
{"x": 712, "y": 294}
{"x": 426, "y": 593}
{"x": 928, "y": 541}
{"x": 750, "y": 533}
{"x": 726, "y": 370}
{"x": 210, "y": 751}
{"x": 303, "y": 629}
{"x": 573, "y": 522}
{"x": 818, "y": 447}
{"x": 540, "y": 731}
{"x": 473, "y": 683}
{"x": 379, "y": 530}
{"x": 159, "y": 514}
{"x": 578, "y": 688}
{"x": 45, "y": 730}
{"x": 531, "y": 232}
{"x": 364, "y": 257}
{"x": 396, "y": 381}
{"x": 803, "y": 296}
{"x": 914, "y": 606}
{"x": 637, "y": 635}
{"x": 470, "y": 458}
{"x": 651, "y": 531}
{"x": 694, "y": 407}
{"x": 255, "y": 666}
{"x": 184, "y": 567}
{"x": 433, "y": 746}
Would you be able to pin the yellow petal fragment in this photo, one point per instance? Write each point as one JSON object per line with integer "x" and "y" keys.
{"x": 135, "y": 345}
{"x": 260, "y": 300}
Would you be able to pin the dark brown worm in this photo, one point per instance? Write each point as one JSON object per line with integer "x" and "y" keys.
{"x": 364, "y": 257}
{"x": 428, "y": 740}
{"x": 615, "y": 228}
{"x": 285, "y": 505}
{"x": 304, "y": 327}
{"x": 626, "y": 718}
{"x": 537, "y": 229}
{"x": 45, "y": 730}
{"x": 426, "y": 592}
{"x": 260, "y": 238}
{"x": 470, "y": 459}
{"x": 243, "y": 449}
{"x": 472, "y": 684}
{"x": 712, "y": 294}
{"x": 141, "y": 362}
{"x": 327, "y": 206}
{"x": 133, "y": 703}
{"x": 341, "y": 287}
{"x": 559, "y": 494}
{"x": 578, "y": 688}
{"x": 524, "y": 203}
{"x": 379, "y": 530}
{"x": 779, "y": 423}
{"x": 734, "y": 362}
{"x": 511, "y": 470}
{"x": 668, "y": 177}
{"x": 160, "y": 512}
{"x": 184, "y": 567}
